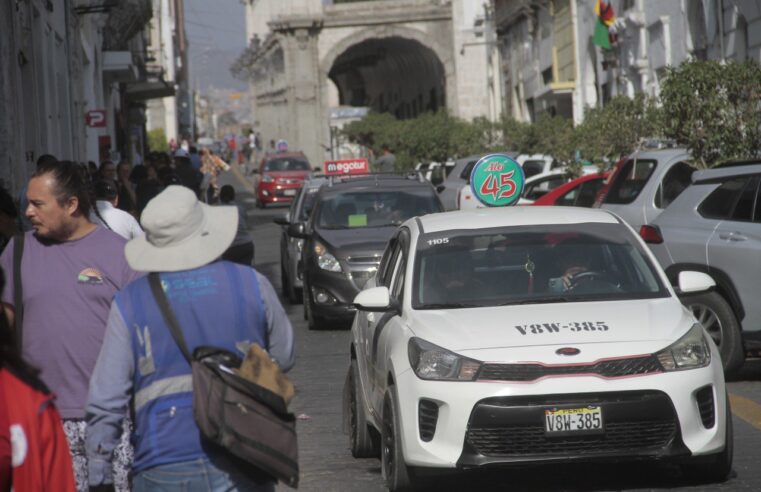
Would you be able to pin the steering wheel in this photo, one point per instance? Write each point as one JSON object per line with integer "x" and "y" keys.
{"x": 584, "y": 277}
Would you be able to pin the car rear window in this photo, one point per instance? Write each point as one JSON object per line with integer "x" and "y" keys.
{"x": 629, "y": 181}
{"x": 465, "y": 174}
{"x": 286, "y": 164}
{"x": 733, "y": 200}
{"x": 532, "y": 168}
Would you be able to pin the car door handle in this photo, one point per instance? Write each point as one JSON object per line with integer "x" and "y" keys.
{"x": 732, "y": 236}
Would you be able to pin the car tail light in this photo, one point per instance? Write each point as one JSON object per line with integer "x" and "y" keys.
{"x": 651, "y": 234}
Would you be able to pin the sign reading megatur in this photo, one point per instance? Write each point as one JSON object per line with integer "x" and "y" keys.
{"x": 347, "y": 166}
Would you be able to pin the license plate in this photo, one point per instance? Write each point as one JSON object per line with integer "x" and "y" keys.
{"x": 289, "y": 192}
{"x": 583, "y": 420}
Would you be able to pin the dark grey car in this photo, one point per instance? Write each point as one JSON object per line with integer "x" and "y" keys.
{"x": 346, "y": 235}
{"x": 290, "y": 247}
{"x": 715, "y": 226}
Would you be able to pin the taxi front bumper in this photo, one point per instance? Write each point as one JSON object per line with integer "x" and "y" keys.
{"x": 655, "y": 416}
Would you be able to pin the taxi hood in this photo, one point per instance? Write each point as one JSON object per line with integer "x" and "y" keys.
{"x": 641, "y": 323}
{"x": 353, "y": 242}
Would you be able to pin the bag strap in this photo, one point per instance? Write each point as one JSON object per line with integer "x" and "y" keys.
{"x": 18, "y": 290}
{"x": 168, "y": 313}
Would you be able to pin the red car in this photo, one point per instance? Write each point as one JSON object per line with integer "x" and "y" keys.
{"x": 580, "y": 192}
{"x": 280, "y": 177}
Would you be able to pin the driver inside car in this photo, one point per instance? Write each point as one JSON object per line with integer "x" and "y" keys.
{"x": 574, "y": 261}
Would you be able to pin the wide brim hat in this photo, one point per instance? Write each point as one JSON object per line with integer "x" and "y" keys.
{"x": 181, "y": 233}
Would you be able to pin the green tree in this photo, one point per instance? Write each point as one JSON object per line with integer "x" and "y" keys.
{"x": 157, "y": 141}
{"x": 714, "y": 109}
{"x": 616, "y": 129}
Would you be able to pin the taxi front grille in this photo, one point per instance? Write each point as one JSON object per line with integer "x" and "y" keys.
{"x": 531, "y": 440}
{"x": 614, "y": 368}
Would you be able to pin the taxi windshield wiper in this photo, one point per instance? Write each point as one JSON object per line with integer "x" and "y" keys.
{"x": 449, "y": 305}
{"x": 539, "y": 300}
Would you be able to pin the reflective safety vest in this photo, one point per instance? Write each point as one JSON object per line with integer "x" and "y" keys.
{"x": 217, "y": 305}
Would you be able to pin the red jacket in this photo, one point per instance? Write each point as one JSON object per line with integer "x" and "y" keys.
{"x": 41, "y": 458}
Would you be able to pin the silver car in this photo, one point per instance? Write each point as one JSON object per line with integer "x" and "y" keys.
{"x": 646, "y": 183}
{"x": 290, "y": 247}
{"x": 715, "y": 226}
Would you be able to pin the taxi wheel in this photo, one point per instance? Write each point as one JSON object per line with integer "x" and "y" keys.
{"x": 396, "y": 473}
{"x": 716, "y": 315}
{"x": 719, "y": 467}
{"x": 362, "y": 439}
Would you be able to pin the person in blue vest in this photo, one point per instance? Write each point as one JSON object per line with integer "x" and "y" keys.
{"x": 140, "y": 367}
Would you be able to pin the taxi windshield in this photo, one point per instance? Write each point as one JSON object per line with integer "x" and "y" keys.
{"x": 286, "y": 164}
{"x": 531, "y": 264}
{"x": 374, "y": 208}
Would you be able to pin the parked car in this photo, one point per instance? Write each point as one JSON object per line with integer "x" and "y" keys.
{"x": 291, "y": 247}
{"x": 580, "y": 192}
{"x": 346, "y": 234}
{"x": 534, "y": 164}
{"x": 435, "y": 172}
{"x": 714, "y": 226}
{"x": 457, "y": 178}
{"x": 646, "y": 183}
{"x": 279, "y": 177}
{"x": 467, "y": 352}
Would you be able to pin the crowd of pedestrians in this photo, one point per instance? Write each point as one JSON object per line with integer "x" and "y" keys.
{"x": 82, "y": 347}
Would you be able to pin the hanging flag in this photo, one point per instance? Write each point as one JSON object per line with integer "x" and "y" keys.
{"x": 605, "y": 18}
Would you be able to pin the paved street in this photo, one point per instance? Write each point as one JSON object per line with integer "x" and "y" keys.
{"x": 327, "y": 464}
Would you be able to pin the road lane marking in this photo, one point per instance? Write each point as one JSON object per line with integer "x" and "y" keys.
{"x": 746, "y": 409}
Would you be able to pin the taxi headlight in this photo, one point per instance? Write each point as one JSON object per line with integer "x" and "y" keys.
{"x": 435, "y": 363}
{"x": 689, "y": 352}
{"x": 325, "y": 260}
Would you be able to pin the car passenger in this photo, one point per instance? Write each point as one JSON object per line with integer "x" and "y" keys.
{"x": 452, "y": 278}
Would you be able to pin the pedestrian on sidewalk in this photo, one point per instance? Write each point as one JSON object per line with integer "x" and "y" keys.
{"x": 189, "y": 176}
{"x": 217, "y": 303}
{"x": 126, "y": 188}
{"x": 33, "y": 451}
{"x": 105, "y": 212}
{"x": 386, "y": 163}
{"x": 242, "y": 249}
{"x": 70, "y": 270}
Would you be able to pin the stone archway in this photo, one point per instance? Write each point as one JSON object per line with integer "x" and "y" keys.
{"x": 403, "y": 50}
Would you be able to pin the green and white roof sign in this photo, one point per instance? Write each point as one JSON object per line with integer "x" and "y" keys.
{"x": 497, "y": 180}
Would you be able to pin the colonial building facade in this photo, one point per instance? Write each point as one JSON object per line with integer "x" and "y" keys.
{"x": 550, "y": 63}
{"x": 308, "y": 57}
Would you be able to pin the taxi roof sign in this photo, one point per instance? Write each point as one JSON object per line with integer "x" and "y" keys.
{"x": 497, "y": 180}
{"x": 347, "y": 167}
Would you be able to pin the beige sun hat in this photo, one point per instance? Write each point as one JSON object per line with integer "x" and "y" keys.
{"x": 181, "y": 233}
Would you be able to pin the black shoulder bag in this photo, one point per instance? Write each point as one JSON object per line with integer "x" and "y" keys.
{"x": 249, "y": 421}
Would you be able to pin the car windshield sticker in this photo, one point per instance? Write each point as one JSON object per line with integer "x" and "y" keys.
{"x": 359, "y": 220}
{"x": 497, "y": 180}
{"x": 575, "y": 326}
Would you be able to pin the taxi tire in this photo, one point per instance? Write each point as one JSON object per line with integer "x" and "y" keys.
{"x": 718, "y": 468}
{"x": 363, "y": 440}
{"x": 731, "y": 347}
{"x": 398, "y": 476}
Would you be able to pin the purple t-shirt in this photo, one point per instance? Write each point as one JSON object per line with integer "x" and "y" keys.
{"x": 68, "y": 288}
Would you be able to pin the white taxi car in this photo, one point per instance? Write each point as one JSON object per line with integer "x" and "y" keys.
{"x": 530, "y": 334}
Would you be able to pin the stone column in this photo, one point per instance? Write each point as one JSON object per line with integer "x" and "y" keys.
{"x": 307, "y": 117}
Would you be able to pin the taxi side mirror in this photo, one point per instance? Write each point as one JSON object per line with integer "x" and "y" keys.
{"x": 297, "y": 230}
{"x": 376, "y": 299}
{"x": 694, "y": 282}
